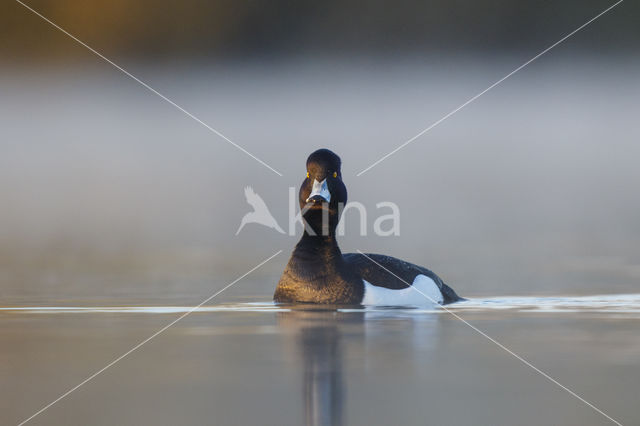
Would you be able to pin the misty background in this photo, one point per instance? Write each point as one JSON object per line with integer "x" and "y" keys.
{"x": 109, "y": 193}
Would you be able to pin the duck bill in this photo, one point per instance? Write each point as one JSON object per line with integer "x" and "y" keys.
{"x": 319, "y": 191}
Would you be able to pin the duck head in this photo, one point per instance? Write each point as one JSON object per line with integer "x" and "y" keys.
{"x": 322, "y": 194}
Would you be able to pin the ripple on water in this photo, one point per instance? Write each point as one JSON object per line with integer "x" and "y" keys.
{"x": 612, "y": 303}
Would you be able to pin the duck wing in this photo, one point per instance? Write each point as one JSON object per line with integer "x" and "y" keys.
{"x": 393, "y": 273}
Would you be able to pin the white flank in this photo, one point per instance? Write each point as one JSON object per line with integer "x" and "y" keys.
{"x": 423, "y": 292}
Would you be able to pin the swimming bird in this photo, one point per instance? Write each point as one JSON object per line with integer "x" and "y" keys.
{"x": 318, "y": 272}
{"x": 260, "y": 213}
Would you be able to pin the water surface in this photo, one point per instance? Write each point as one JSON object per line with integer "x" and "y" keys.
{"x": 257, "y": 363}
{"x": 119, "y": 214}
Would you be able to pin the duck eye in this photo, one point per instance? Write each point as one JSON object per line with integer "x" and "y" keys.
{"x": 335, "y": 174}
{"x": 307, "y": 174}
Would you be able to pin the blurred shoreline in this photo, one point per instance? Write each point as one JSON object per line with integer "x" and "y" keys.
{"x": 221, "y": 30}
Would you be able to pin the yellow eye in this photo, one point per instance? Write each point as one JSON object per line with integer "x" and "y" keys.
{"x": 335, "y": 174}
{"x": 307, "y": 174}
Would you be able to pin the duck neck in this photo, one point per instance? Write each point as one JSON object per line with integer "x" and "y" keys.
{"x": 317, "y": 256}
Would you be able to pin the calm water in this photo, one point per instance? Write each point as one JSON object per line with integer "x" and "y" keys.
{"x": 118, "y": 213}
{"x": 256, "y": 363}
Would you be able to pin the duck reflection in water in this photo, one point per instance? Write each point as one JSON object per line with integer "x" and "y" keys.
{"x": 318, "y": 340}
